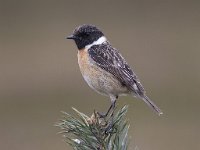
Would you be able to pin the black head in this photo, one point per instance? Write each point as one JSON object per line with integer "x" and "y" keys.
{"x": 85, "y": 35}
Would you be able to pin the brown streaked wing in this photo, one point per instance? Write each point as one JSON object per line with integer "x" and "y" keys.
{"x": 111, "y": 60}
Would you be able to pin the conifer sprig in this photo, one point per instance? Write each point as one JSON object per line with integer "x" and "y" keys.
{"x": 95, "y": 133}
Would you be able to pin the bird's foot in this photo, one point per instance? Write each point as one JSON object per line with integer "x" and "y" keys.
{"x": 102, "y": 115}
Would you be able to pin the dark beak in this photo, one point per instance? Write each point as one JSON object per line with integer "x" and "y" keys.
{"x": 71, "y": 37}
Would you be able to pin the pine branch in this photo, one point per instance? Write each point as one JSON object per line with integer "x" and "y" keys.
{"x": 95, "y": 133}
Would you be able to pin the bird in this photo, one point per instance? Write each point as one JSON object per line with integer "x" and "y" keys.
{"x": 104, "y": 68}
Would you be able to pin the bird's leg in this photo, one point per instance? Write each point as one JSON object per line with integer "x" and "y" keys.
{"x": 112, "y": 106}
{"x": 104, "y": 115}
{"x": 111, "y": 123}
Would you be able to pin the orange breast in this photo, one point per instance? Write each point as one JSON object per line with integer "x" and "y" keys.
{"x": 83, "y": 61}
{"x": 98, "y": 79}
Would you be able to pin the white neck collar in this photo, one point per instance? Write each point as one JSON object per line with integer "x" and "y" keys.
{"x": 101, "y": 40}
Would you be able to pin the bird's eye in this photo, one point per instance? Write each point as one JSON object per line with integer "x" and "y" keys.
{"x": 85, "y": 35}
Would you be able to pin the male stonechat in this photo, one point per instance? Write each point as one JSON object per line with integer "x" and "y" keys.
{"x": 103, "y": 67}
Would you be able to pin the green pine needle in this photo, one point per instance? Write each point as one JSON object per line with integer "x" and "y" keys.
{"x": 95, "y": 133}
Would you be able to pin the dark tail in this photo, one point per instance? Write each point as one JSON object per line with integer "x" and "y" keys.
{"x": 152, "y": 105}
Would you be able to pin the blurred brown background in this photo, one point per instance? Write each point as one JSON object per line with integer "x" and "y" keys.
{"x": 39, "y": 74}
